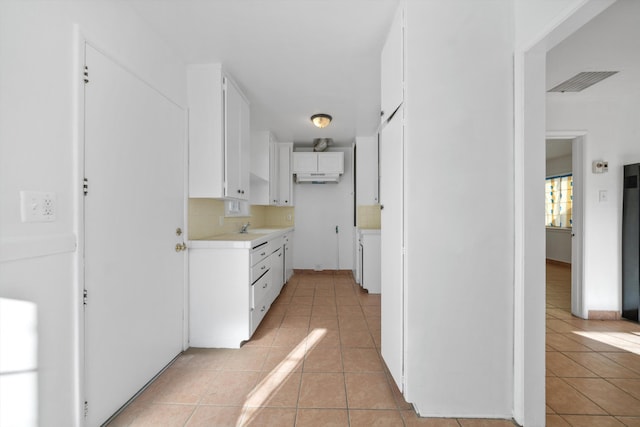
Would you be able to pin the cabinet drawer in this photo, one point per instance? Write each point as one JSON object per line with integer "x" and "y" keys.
{"x": 259, "y": 269}
{"x": 259, "y": 253}
{"x": 260, "y": 291}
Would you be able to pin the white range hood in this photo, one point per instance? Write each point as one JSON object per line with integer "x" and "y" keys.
{"x": 317, "y": 178}
{"x": 318, "y": 168}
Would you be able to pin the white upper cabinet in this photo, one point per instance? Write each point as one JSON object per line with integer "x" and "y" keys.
{"x": 305, "y": 162}
{"x": 219, "y": 135}
{"x": 325, "y": 162}
{"x": 392, "y": 68}
{"x": 282, "y": 178}
{"x": 271, "y": 178}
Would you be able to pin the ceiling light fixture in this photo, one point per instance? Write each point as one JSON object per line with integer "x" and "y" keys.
{"x": 321, "y": 120}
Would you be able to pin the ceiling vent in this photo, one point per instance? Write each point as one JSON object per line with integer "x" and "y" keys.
{"x": 581, "y": 81}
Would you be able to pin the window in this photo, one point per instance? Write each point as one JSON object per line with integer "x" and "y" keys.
{"x": 558, "y": 193}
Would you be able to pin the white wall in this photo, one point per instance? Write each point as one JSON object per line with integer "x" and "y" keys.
{"x": 459, "y": 207}
{"x": 613, "y": 128}
{"x": 39, "y": 82}
{"x": 319, "y": 208}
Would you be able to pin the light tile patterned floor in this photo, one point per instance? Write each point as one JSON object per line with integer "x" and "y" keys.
{"x": 593, "y": 366}
{"x": 314, "y": 361}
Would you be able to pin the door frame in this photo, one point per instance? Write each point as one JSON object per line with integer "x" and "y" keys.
{"x": 80, "y": 40}
{"x": 578, "y": 139}
{"x": 529, "y": 264}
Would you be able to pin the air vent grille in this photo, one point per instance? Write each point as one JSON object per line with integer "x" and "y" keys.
{"x": 581, "y": 81}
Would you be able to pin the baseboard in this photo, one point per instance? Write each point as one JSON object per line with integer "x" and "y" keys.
{"x": 560, "y": 263}
{"x": 603, "y": 315}
{"x": 327, "y": 272}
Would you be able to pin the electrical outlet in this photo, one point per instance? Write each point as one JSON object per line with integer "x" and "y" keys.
{"x": 38, "y": 206}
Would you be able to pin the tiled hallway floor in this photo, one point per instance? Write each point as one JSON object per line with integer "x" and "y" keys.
{"x": 314, "y": 361}
{"x": 593, "y": 366}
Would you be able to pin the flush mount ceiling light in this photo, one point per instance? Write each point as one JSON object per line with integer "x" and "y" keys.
{"x": 321, "y": 120}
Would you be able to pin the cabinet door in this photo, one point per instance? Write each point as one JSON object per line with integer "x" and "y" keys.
{"x": 392, "y": 67}
{"x": 274, "y": 173}
{"x": 284, "y": 179}
{"x": 305, "y": 162}
{"x": 331, "y": 162}
{"x": 392, "y": 241}
{"x": 288, "y": 258}
{"x": 244, "y": 165}
{"x": 237, "y": 142}
{"x": 277, "y": 272}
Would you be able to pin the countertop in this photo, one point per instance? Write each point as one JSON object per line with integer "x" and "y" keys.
{"x": 253, "y": 237}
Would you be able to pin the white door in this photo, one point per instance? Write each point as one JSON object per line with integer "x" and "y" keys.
{"x": 134, "y": 164}
{"x": 392, "y": 241}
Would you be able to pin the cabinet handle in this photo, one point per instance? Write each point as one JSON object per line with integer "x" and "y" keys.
{"x": 381, "y": 207}
{"x": 263, "y": 267}
{"x": 264, "y": 307}
{"x": 262, "y": 254}
{"x": 265, "y": 285}
{"x": 279, "y": 255}
{"x": 286, "y": 201}
{"x": 239, "y": 192}
{"x": 242, "y": 191}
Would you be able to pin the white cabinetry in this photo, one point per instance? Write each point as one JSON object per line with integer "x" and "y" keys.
{"x": 287, "y": 242}
{"x": 219, "y": 135}
{"x": 231, "y": 290}
{"x": 367, "y": 170}
{"x": 370, "y": 260}
{"x": 271, "y": 177}
{"x": 325, "y": 162}
{"x": 277, "y": 271}
{"x": 392, "y": 68}
{"x": 281, "y": 176}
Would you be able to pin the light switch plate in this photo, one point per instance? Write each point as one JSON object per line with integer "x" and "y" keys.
{"x": 603, "y": 196}
{"x": 38, "y": 206}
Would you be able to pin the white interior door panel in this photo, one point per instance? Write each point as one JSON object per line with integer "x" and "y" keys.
{"x": 134, "y": 163}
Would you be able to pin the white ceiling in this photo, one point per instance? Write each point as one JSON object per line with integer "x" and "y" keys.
{"x": 292, "y": 58}
{"x": 609, "y": 42}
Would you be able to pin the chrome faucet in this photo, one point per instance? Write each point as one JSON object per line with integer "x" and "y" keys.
{"x": 244, "y": 227}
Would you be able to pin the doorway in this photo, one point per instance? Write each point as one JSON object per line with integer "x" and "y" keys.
{"x": 564, "y": 241}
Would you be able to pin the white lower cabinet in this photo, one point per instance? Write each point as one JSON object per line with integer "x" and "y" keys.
{"x": 231, "y": 290}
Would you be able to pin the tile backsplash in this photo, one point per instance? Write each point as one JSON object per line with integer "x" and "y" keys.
{"x": 206, "y": 218}
{"x": 368, "y": 216}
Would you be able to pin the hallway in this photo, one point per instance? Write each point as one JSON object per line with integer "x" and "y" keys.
{"x": 593, "y": 366}
{"x": 314, "y": 361}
